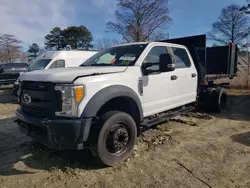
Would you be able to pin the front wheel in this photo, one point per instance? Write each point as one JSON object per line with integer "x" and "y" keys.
{"x": 116, "y": 137}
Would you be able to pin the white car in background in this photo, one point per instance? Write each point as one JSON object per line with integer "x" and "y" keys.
{"x": 60, "y": 59}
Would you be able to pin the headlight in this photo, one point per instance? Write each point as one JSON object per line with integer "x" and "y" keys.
{"x": 17, "y": 90}
{"x": 71, "y": 98}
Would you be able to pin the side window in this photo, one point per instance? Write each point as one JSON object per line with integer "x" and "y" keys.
{"x": 58, "y": 64}
{"x": 181, "y": 58}
{"x": 153, "y": 58}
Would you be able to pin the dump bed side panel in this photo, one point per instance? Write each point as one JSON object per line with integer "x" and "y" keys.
{"x": 222, "y": 60}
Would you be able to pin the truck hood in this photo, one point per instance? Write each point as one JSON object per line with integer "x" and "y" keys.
{"x": 67, "y": 75}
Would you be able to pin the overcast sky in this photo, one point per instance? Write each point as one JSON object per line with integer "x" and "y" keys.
{"x": 31, "y": 20}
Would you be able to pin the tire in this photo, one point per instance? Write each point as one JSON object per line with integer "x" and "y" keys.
{"x": 219, "y": 100}
{"x": 115, "y": 135}
{"x": 205, "y": 99}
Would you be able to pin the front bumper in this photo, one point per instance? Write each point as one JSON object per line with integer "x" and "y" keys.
{"x": 60, "y": 133}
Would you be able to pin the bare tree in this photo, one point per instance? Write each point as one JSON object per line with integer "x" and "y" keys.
{"x": 3, "y": 56}
{"x": 157, "y": 36}
{"x": 232, "y": 26}
{"x": 137, "y": 20}
{"x": 10, "y": 47}
{"x": 106, "y": 43}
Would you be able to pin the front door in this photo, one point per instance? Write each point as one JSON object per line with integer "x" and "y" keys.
{"x": 158, "y": 88}
{"x": 167, "y": 90}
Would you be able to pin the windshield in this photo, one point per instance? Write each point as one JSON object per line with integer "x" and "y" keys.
{"x": 38, "y": 64}
{"x": 116, "y": 56}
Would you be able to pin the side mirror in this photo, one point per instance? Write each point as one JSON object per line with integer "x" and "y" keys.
{"x": 167, "y": 63}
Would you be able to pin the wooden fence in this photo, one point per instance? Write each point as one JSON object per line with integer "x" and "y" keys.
{"x": 243, "y": 74}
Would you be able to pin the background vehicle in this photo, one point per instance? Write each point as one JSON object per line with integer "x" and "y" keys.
{"x": 59, "y": 59}
{"x": 104, "y": 103}
{"x": 9, "y": 72}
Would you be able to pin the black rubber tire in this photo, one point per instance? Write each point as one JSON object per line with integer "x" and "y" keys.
{"x": 219, "y": 100}
{"x": 106, "y": 121}
{"x": 205, "y": 99}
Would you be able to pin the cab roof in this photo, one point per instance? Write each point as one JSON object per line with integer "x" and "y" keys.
{"x": 152, "y": 43}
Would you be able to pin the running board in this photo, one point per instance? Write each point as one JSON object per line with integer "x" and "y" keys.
{"x": 166, "y": 116}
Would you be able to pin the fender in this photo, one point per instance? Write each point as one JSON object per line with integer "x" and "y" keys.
{"x": 108, "y": 93}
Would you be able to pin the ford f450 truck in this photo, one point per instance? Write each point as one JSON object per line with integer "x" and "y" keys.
{"x": 103, "y": 103}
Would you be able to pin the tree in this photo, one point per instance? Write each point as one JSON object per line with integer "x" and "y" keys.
{"x": 33, "y": 50}
{"x": 10, "y": 48}
{"x": 137, "y": 20}
{"x": 232, "y": 26}
{"x": 106, "y": 43}
{"x": 246, "y": 9}
{"x": 77, "y": 37}
{"x": 157, "y": 36}
{"x": 54, "y": 39}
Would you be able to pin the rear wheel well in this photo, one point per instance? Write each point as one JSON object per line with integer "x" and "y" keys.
{"x": 123, "y": 104}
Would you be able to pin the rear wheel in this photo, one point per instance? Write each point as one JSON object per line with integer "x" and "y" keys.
{"x": 219, "y": 100}
{"x": 115, "y": 137}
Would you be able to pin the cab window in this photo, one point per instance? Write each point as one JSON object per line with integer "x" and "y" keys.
{"x": 181, "y": 58}
{"x": 152, "y": 59}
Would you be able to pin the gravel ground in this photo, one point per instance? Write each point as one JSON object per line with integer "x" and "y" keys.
{"x": 195, "y": 150}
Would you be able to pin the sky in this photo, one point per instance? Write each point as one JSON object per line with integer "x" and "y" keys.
{"x": 31, "y": 20}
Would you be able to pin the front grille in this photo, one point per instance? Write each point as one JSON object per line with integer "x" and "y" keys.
{"x": 37, "y": 111}
{"x": 44, "y": 99}
{"x": 36, "y": 86}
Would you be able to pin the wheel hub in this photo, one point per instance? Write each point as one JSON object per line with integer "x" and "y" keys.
{"x": 117, "y": 139}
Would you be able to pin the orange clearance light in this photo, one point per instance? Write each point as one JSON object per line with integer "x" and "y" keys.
{"x": 79, "y": 94}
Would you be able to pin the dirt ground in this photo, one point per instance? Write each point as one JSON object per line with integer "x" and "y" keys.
{"x": 196, "y": 150}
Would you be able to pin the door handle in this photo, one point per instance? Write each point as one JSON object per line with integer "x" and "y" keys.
{"x": 194, "y": 75}
{"x": 174, "y": 77}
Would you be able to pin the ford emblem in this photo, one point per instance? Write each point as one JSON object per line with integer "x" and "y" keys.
{"x": 26, "y": 98}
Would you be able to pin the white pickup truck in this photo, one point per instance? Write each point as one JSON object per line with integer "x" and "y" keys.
{"x": 103, "y": 104}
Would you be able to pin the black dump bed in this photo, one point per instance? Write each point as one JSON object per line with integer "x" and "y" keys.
{"x": 211, "y": 62}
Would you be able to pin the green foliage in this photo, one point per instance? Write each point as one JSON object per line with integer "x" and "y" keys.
{"x": 33, "y": 50}
{"x": 54, "y": 39}
{"x": 76, "y": 37}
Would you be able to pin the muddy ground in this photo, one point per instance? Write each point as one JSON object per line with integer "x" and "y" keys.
{"x": 194, "y": 150}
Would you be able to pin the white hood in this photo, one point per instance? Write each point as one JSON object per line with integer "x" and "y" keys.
{"x": 66, "y": 75}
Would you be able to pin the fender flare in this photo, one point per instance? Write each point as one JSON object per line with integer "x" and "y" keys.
{"x": 108, "y": 93}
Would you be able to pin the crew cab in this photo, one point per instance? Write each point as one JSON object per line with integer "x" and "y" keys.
{"x": 103, "y": 103}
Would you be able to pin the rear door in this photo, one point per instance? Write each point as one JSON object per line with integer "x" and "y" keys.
{"x": 186, "y": 76}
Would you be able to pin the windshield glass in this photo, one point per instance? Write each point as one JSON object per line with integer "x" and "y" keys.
{"x": 38, "y": 64}
{"x": 116, "y": 56}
